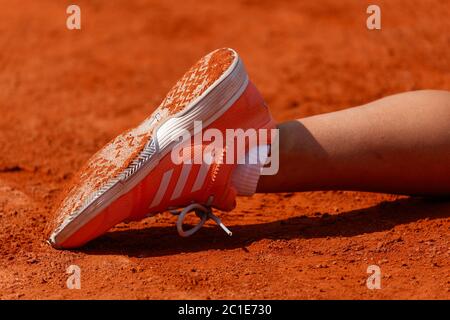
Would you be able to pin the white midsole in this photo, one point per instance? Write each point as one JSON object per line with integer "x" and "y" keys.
{"x": 208, "y": 107}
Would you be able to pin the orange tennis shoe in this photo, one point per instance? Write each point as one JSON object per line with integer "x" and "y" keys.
{"x": 165, "y": 164}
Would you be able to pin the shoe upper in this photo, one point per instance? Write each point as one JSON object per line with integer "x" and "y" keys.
{"x": 203, "y": 169}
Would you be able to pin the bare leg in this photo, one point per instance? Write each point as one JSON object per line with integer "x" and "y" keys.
{"x": 398, "y": 144}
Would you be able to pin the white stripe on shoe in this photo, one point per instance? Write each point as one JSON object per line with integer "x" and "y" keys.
{"x": 181, "y": 183}
{"x": 162, "y": 188}
{"x": 201, "y": 176}
{"x": 182, "y": 179}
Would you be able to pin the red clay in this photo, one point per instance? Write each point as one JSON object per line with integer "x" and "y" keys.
{"x": 64, "y": 94}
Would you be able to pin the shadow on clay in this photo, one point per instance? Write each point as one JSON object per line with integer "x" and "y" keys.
{"x": 163, "y": 241}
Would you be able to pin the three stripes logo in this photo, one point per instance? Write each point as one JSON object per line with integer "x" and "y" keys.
{"x": 182, "y": 180}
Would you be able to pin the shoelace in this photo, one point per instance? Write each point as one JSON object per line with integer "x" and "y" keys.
{"x": 203, "y": 212}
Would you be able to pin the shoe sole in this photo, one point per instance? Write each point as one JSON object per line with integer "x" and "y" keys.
{"x": 207, "y": 107}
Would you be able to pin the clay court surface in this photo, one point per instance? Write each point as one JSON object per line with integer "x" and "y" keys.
{"x": 64, "y": 94}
